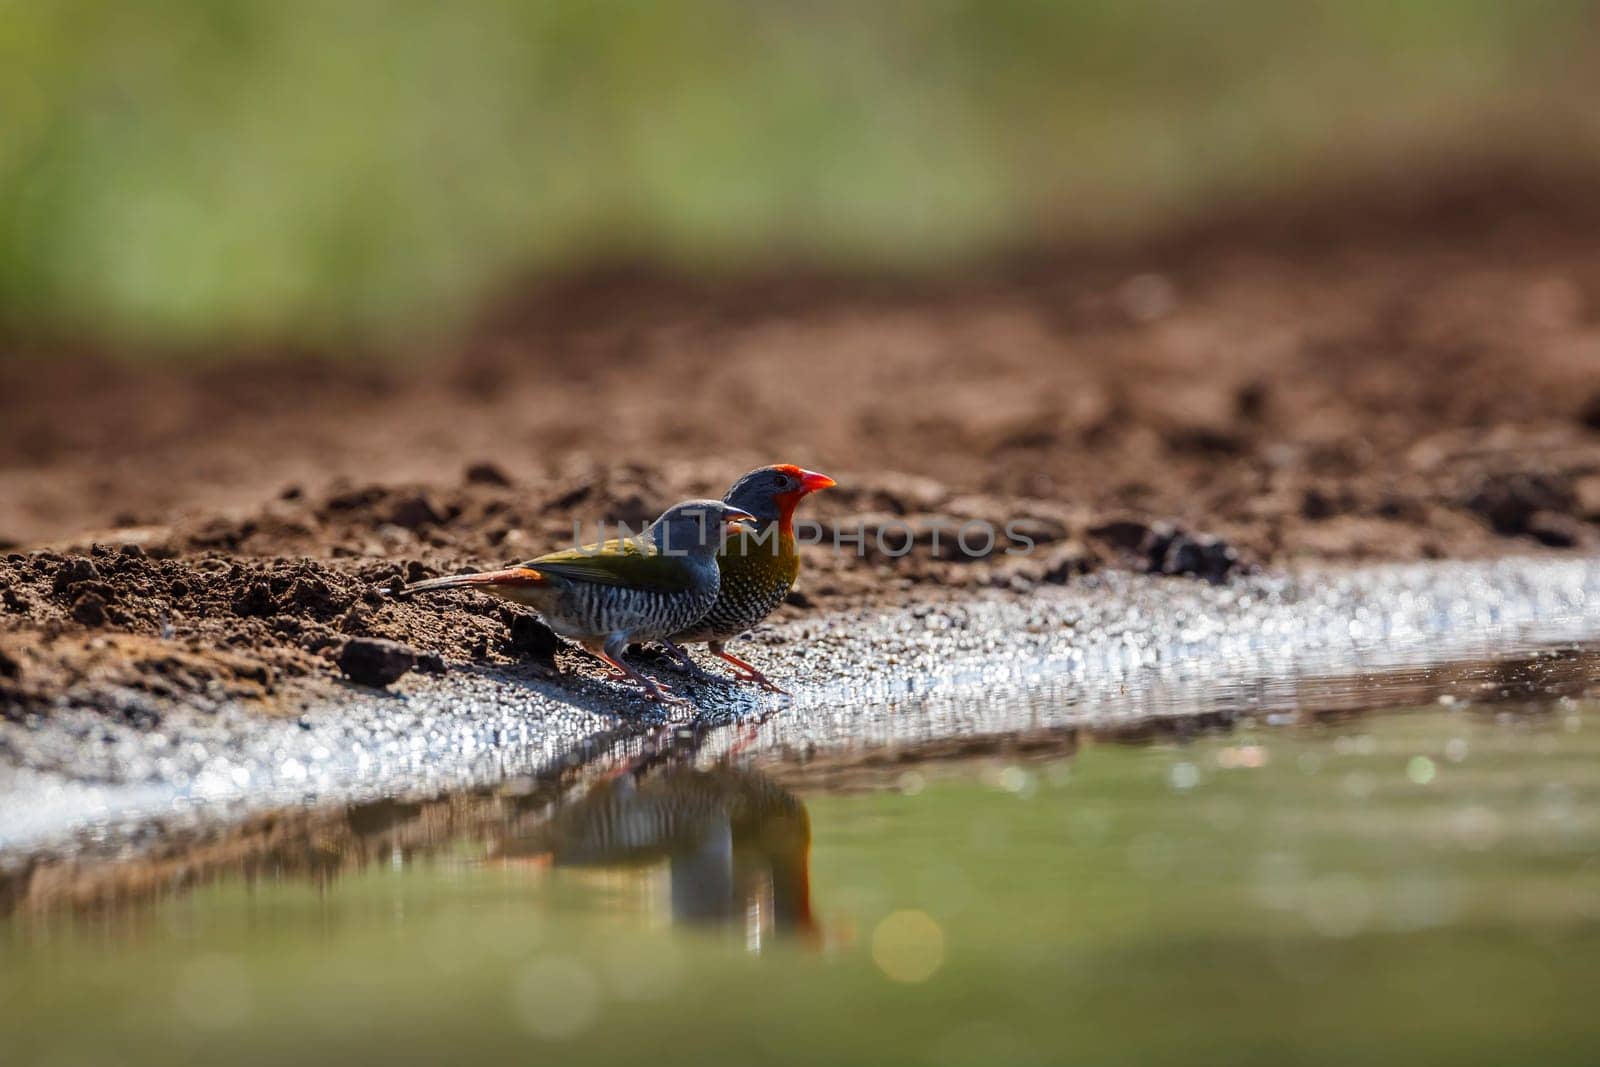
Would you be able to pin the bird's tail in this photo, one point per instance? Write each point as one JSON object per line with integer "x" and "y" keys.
{"x": 510, "y": 578}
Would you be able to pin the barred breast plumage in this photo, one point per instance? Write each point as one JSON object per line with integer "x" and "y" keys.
{"x": 606, "y": 595}
{"x": 757, "y": 572}
{"x": 758, "y": 567}
{"x": 581, "y": 607}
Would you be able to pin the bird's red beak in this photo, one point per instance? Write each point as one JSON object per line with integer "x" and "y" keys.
{"x": 811, "y": 481}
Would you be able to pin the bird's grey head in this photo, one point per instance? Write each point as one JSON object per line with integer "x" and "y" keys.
{"x": 695, "y": 528}
{"x": 771, "y": 493}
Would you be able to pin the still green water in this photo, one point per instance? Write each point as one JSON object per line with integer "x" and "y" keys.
{"x": 1417, "y": 887}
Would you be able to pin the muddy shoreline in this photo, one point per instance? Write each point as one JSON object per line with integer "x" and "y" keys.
{"x": 1376, "y": 377}
{"x": 1116, "y": 650}
{"x": 494, "y": 755}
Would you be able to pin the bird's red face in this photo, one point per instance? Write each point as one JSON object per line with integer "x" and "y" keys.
{"x": 771, "y": 493}
{"x": 804, "y": 484}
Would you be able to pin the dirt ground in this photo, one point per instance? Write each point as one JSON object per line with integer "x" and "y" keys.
{"x": 1382, "y": 376}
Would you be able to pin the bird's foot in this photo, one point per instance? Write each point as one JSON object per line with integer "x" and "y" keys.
{"x": 668, "y": 695}
{"x": 757, "y": 678}
{"x": 653, "y": 690}
{"x": 659, "y": 692}
{"x": 744, "y": 672}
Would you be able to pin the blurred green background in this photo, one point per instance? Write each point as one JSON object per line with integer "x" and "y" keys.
{"x": 196, "y": 172}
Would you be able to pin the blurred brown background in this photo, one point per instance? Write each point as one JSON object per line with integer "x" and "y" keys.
{"x": 1318, "y": 277}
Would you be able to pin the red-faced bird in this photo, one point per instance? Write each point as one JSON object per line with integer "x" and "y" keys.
{"x": 759, "y": 564}
{"x": 608, "y": 595}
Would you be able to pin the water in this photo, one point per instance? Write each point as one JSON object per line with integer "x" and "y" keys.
{"x": 1111, "y": 649}
{"x": 1396, "y": 868}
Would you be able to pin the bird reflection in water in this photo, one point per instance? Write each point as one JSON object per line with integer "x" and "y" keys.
{"x": 737, "y": 845}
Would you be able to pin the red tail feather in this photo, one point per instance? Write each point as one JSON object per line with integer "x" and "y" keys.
{"x": 512, "y": 576}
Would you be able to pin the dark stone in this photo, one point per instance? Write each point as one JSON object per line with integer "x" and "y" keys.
{"x": 486, "y": 473}
{"x": 9, "y": 667}
{"x": 1174, "y": 551}
{"x": 132, "y": 551}
{"x": 1555, "y": 530}
{"x": 1510, "y": 501}
{"x": 376, "y": 662}
{"x": 74, "y": 570}
{"x": 1317, "y": 505}
{"x": 416, "y": 512}
{"x": 1127, "y": 535}
{"x": 89, "y": 609}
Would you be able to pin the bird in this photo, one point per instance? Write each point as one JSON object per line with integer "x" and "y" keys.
{"x": 759, "y": 565}
{"x": 607, "y": 595}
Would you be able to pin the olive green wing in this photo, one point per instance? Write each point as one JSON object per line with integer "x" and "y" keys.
{"x": 619, "y": 562}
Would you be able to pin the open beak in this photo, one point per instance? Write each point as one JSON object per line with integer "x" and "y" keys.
{"x": 812, "y": 481}
{"x": 735, "y": 520}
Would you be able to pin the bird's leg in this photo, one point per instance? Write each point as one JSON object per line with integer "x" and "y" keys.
{"x": 611, "y": 653}
{"x": 652, "y": 690}
{"x": 609, "y": 667}
{"x": 681, "y": 654}
{"x": 748, "y": 673}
